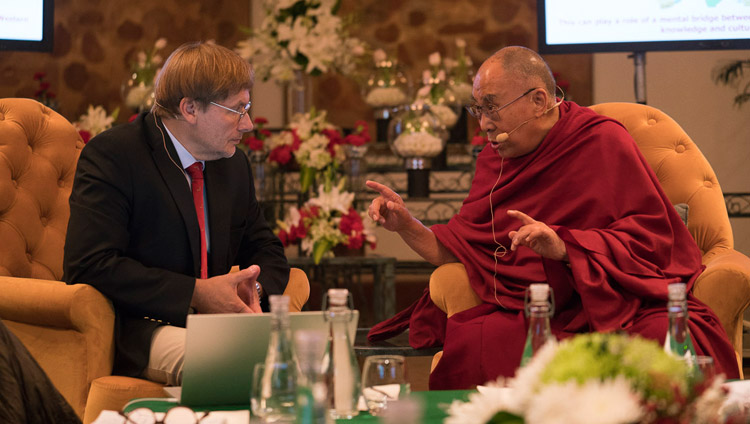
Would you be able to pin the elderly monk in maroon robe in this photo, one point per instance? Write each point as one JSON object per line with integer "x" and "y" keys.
{"x": 570, "y": 196}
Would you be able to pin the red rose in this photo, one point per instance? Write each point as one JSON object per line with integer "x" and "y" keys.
{"x": 355, "y": 242}
{"x": 284, "y": 237}
{"x": 39, "y": 75}
{"x": 355, "y": 140}
{"x": 265, "y": 133}
{"x": 254, "y": 143}
{"x": 281, "y": 155}
{"x": 261, "y": 120}
{"x": 85, "y": 136}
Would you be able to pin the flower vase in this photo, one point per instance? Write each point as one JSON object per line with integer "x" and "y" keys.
{"x": 460, "y": 133}
{"x": 340, "y": 250}
{"x": 137, "y": 95}
{"x": 299, "y": 92}
{"x": 418, "y": 177}
{"x": 261, "y": 178}
{"x": 382, "y": 120}
{"x": 355, "y": 167}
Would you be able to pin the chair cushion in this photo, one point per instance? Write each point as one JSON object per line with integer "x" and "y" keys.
{"x": 113, "y": 392}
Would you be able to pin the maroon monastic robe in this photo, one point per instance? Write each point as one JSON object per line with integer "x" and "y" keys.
{"x": 589, "y": 182}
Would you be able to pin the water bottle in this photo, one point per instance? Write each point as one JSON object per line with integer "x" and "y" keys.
{"x": 539, "y": 308}
{"x": 279, "y": 382}
{"x": 678, "y": 341}
{"x": 312, "y": 391}
{"x": 342, "y": 369}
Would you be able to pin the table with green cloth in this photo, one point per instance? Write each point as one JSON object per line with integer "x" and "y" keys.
{"x": 433, "y": 412}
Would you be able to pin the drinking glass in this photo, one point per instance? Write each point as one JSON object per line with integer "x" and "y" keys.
{"x": 256, "y": 390}
{"x": 704, "y": 365}
{"x": 383, "y": 381}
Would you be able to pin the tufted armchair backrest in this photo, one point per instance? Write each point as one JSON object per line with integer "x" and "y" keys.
{"x": 39, "y": 150}
{"x": 683, "y": 171}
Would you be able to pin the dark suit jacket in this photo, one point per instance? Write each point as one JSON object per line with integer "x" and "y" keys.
{"x": 133, "y": 232}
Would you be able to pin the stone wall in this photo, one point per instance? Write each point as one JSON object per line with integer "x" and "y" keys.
{"x": 412, "y": 29}
{"x": 95, "y": 41}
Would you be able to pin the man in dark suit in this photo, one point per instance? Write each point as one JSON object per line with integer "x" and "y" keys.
{"x": 134, "y": 232}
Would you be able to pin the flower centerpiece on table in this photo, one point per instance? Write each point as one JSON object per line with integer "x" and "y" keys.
{"x": 436, "y": 92}
{"x": 300, "y": 35}
{"x": 95, "y": 121}
{"x": 460, "y": 73}
{"x": 597, "y": 378}
{"x": 386, "y": 85}
{"x": 139, "y": 88}
{"x": 327, "y": 221}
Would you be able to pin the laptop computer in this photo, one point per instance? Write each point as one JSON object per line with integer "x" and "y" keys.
{"x": 221, "y": 351}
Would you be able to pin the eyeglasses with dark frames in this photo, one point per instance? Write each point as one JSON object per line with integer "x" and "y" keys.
{"x": 492, "y": 111}
{"x": 241, "y": 113}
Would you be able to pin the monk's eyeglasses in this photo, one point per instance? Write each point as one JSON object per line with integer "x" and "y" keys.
{"x": 492, "y": 111}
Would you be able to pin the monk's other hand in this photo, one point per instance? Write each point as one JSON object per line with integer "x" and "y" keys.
{"x": 538, "y": 237}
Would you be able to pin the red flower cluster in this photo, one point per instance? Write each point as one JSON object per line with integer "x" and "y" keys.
{"x": 43, "y": 94}
{"x": 352, "y": 226}
{"x": 85, "y": 136}
{"x": 283, "y": 154}
{"x": 256, "y": 140}
{"x": 360, "y": 136}
{"x": 480, "y": 137}
{"x": 299, "y": 231}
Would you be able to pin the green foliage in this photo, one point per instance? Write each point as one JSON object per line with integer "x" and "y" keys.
{"x": 733, "y": 74}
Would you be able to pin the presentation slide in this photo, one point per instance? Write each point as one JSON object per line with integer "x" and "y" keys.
{"x": 21, "y": 20}
{"x": 622, "y": 21}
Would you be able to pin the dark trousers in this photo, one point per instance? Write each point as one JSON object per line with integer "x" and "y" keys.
{"x": 26, "y": 393}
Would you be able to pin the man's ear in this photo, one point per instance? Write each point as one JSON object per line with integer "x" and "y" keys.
{"x": 540, "y": 98}
{"x": 189, "y": 109}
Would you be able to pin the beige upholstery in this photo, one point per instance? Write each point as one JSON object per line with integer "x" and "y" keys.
{"x": 68, "y": 329}
{"x": 686, "y": 177}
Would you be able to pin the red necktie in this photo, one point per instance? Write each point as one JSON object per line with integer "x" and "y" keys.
{"x": 196, "y": 175}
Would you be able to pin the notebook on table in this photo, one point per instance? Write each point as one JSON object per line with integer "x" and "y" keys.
{"x": 221, "y": 351}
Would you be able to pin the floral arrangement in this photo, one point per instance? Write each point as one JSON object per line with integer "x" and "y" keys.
{"x": 95, "y": 121}
{"x": 459, "y": 72}
{"x": 43, "y": 94}
{"x": 300, "y": 35}
{"x": 315, "y": 145}
{"x": 598, "y": 378}
{"x": 327, "y": 221}
{"x": 436, "y": 93}
{"x": 384, "y": 84}
{"x": 144, "y": 69}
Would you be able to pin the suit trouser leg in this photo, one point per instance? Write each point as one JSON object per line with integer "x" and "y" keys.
{"x": 166, "y": 356}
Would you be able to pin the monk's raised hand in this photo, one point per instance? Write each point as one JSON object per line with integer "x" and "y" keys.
{"x": 388, "y": 209}
{"x": 538, "y": 237}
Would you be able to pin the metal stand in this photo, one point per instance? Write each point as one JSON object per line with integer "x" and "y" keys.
{"x": 639, "y": 79}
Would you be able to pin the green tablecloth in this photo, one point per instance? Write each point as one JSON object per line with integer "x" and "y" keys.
{"x": 433, "y": 412}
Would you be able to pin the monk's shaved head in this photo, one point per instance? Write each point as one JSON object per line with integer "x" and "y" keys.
{"x": 522, "y": 65}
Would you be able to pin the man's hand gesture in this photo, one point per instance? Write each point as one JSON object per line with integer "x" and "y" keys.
{"x": 388, "y": 209}
{"x": 538, "y": 237}
{"x": 220, "y": 294}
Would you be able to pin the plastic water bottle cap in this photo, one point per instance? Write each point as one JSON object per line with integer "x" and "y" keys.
{"x": 539, "y": 292}
{"x": 278, "y": 302}
{"x": 676, "y": 291}
{"x": 338, "y": 297}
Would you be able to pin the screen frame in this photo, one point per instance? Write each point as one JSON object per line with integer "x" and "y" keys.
{"x": 48, "y": 30}
{"x": 636, "y": 46}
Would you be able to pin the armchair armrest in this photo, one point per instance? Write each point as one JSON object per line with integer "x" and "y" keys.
{"x": 725, "y": 287}
{"x": 450, "y": 289}
{"x": 67, "y": 329}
